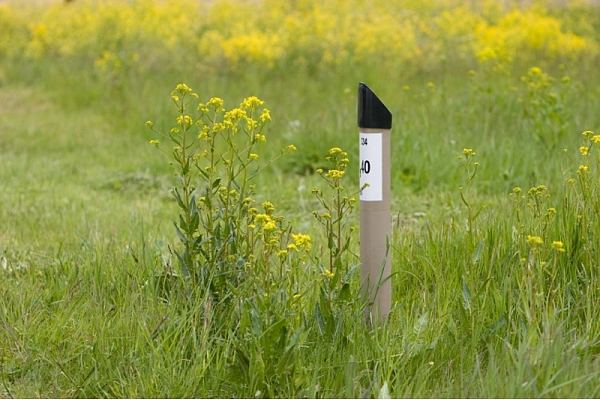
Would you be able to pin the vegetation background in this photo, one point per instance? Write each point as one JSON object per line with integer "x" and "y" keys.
{"x": 496, "y": 238}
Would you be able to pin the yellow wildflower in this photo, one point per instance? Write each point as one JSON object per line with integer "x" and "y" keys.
{"x": 235, "y": 114}
{"x": 268, "y": 206}
{"x": 302, "y": 241}
{"x": 269, "y": 226}
{"x": 537, "y": 190}
{"x": 469, "y": 153}
{"x": 265, "y": 115}
{"x": 534, "y": 240}
{"x": 262, "y": 218}
{"x": 251, "y": 124}
{"x": 334, "y": 173}
{"x": 328, "y": 274}
{"x": 251, "y": 103}
{"x": 587, "y": 134}
{"x": 218, "y": 127}
{"x": 203, "y": 134}
{"x": 184, "y": 120}
{"x": 557, "y": 245}
{"x": 216, "y": 103}
{"x": 182, "y": 88}
{"x": 282, "y": 253}
{"x": 535, "y": 71}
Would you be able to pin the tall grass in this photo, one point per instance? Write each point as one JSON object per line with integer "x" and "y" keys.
{"x": 495, "y": 284}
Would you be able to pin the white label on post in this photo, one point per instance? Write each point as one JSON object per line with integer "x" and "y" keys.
{"x": 371, "y": 166}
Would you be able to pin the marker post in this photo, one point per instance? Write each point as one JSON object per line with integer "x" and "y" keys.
{"x": 375, "y": 122}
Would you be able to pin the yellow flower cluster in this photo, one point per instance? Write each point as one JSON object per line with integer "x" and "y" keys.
{"x": 308, "y": 33}
{"x": 301, "y": 241}
{"x": 537, "y": 190}
{"x": 266, "y": 222}
{"x": 469, "y": 153}
{"x": 534, "y": 240}
{"x": 558, "y": 246}
{"x": 95, "y": 28}
{"x": 520, "y": 33}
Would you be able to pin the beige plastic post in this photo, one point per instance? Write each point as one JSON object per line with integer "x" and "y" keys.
{"x": 375, "y": 122}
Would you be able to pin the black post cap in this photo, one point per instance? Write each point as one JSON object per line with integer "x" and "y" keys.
{"x": 372, "y": 113}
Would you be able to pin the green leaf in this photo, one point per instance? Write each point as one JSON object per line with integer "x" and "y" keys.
{"x": 463, "y": 199}
{"x": 182, "y": 224}
{"x": 330, "y": 242}
{"x": 478, "y": 212}
{"x": 194, "y": 223}
{"x": 319, "y": 319}
{"x": 233, "y": 289}
{"x": 256, "y": 324}
{"x": 499, "y": 323}
{"x": 180, "y": 234}
{"x": 203, "y": 172}
{"x": 276, "y": 334}
{"x": 345, "y": 293}
{"x": 384, "y": 392}
{"x": 244, "y": 318}
{"x": 346, "y": 245}
{"x": 478, "y": 251}
{"x": 198, "y": 242}
{"x": 293, "y": 342}
{"x": 184, "y": 267}
{"x": 186, "y": 167}
{"x": 177, "y": 196}
{"x": 207, "y": 199}
{"x": 466, "y": 295}
{"x": 193, "y": 206}
{"x": 348, "y": 276}
{"x": 349, "y": 375}
{"x": 421, "y": 324}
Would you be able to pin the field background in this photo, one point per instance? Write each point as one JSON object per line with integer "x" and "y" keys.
{"x": 495, "y": 288}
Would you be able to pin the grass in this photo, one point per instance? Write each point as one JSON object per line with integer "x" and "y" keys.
{"x": 481, "y": 308}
